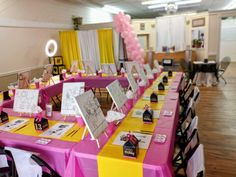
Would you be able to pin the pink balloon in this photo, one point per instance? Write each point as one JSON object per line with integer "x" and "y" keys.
{"x": 128, "y": 18}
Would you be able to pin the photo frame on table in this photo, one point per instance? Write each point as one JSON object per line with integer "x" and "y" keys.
{"x": 132, "y": 67}
{"x": 60, "y": 68}
{"x": 92, "y": 115}
{"x": 23, "y": 79}
{"x": 25, "y": 100}
{"x": 69, "y": 91}
{"x": 89, "y": 67}
{"x": 58, "y": 60}
{"x": 118, "y": 96}
{"x": 74, "y": 66}
{"x": 47, "y": 72}
{"x": 148, "y": 69}
{"x": 133, "y": 84}
{"x": 109, "y": 69}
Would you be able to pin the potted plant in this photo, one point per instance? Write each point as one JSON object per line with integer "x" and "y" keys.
{"x": 199, "y": 43}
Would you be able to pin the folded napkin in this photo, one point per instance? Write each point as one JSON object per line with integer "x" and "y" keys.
{"x": 114, "y": 116}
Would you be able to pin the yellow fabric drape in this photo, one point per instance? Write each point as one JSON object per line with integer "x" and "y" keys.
{"x": 105, "y": 41}
{"x": 70, "y": 48}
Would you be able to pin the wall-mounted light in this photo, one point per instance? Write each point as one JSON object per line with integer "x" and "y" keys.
{"x": 51, "y": 48}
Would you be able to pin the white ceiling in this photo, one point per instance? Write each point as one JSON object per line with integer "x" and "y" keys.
{"x": 136, "y": 10}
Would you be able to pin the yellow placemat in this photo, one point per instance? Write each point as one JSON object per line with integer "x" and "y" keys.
{"x": 29, "y": 130}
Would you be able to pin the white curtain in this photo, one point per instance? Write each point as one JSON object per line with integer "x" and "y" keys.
{"x": 171, "y": 32}
{"x": 89, "y": 47}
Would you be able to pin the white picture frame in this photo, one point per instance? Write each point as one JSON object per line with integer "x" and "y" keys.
{"x": 133, "y": 84}
{"x": 69, "y": 91}
{"x": 91, "y": 113}
{"x": 26, "y": 100}
{"x": 89, "y": 67}
{"x": 118, "y": 96}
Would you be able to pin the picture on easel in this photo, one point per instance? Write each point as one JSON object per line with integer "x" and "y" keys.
{"x": 23, "y": 80}
{"x": 89, "y": 67}
{"x": 118, "y": 96}
{"x": 132, "y": 67}
{"x": 92, "y": 115}
{"x": 69, "y": 91}
{"x": 47, "y": 72}
{"x": 109, "y": 69}
{"x": 74, "y": 66}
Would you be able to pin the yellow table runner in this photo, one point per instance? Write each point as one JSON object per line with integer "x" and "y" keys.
{"x": 29, "y": 130}
{"x": 111, "y": 161}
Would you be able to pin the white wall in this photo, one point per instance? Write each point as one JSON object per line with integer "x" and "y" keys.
{"x": 228, "y": 39}
{"x": 26, "y": 25}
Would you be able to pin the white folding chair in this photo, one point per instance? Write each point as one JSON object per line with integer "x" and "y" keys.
{"x": 195, "y": 165}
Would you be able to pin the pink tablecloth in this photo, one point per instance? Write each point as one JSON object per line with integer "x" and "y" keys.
{"x": 56, "y": 153}
{"x": 157, "y": 162}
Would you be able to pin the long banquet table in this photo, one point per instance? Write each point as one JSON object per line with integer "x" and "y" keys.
{"x": 83, "y": 161}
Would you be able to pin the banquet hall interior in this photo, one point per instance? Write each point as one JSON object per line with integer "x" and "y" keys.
{"x": 111, "y": 88}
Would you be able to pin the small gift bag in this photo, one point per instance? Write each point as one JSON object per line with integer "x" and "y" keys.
{"x": 3, "y": 116}
{"x": 131, "y": 148}
{"x": 147, "y": 115}
{"x": 153, "y": 98}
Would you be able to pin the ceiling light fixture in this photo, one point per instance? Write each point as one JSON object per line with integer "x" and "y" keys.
{"x": 164, "y": 3}
{"x": 112, "y": 9}
{"x": 158, "y": 2}
{"x": 171, "y": 8}
{"x": 188, "y": 2}
{"x": 231, "y": 5}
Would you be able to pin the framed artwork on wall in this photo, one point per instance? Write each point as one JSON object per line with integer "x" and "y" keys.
{"x": 58, "y": 60}
{"x": 198, "y": 22}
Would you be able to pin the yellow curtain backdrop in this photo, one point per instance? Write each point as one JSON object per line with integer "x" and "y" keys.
{"x": 70, "y": 48}
{"x": 105, "y": 41}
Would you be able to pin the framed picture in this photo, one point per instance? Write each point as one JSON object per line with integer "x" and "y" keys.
{"x": 23, "y": 79}
{"x": 58, "y": 60}
{"x": 60, "y": 68}
{"x": 55, "y": 70}
{"x": 198, "y": 22}
{"x": 142, "y": 26}
{"x": 51, "y": 60}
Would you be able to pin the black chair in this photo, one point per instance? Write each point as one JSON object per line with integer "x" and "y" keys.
{"x": 222, "y": 67}
{"x": 181, "y": 159}
{"x": 42, "y": 163}
{"x": 11, "y": 169}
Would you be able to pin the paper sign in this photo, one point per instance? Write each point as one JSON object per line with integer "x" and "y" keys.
{"x": 109, "y": 69}
{"x": 138, "y": 113}
{"x": 89, "y": 67}
{"x": 144, "y": 139}
{"x": 70, "y": 90}
{"x": 57, "y": 130}
{"x": 160, "y": 97}
{"x": 13, "y": 124}
{"x": 132, "y": 82}
{"x": 25, "y": 100}
{"x": 116, "y": 93}
{"x": 91, "y": 113}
